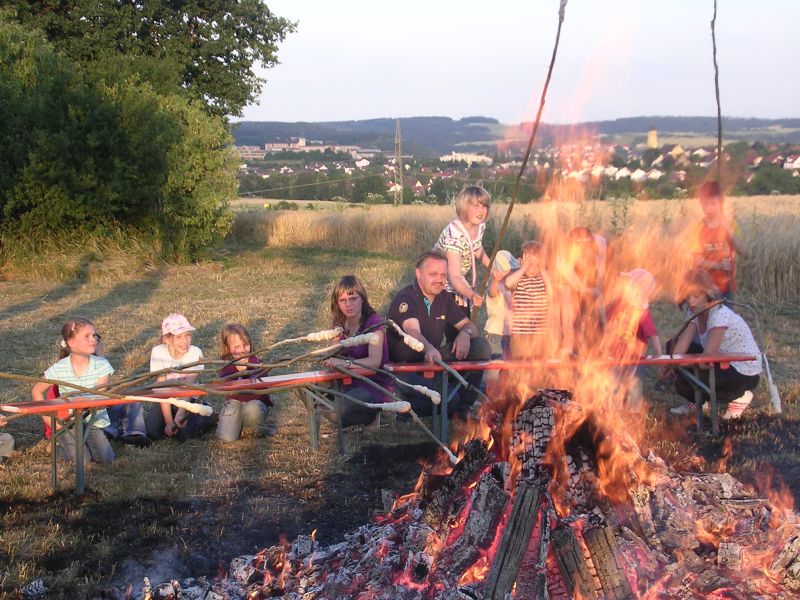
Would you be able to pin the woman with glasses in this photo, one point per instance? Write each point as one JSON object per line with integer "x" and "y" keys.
{"x": 352, "y": 312}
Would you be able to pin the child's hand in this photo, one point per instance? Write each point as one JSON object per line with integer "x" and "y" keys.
{"x": 477, "y": 300}
{"x": 170, "y": 429}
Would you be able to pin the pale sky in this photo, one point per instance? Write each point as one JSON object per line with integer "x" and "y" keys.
{"x": 362, "y": 59}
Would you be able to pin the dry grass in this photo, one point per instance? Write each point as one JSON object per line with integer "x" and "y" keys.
{"x": 209, "y": 501}
{"x": 649, "y": 234}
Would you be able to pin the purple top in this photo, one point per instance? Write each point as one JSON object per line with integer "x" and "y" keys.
{"x": 231, "y": 369}
{"x": 360, "y": 352}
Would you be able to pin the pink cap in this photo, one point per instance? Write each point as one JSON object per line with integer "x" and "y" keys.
{"x": 176, "y": 324}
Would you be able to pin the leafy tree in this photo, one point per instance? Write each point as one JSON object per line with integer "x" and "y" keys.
{"x": 370, "y": 184}
{"x": 206, "y": 48}
{"x": 649, "y": 155}
{"x": 771, "y": 178}
{"x": 81, "y": 154}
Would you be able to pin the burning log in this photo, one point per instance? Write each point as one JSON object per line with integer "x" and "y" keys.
{"x": 476, "y": 457}
{"x": 515, "y": 541}
{"x": 605, "y": 555}
{"x": 488, "y": 504}
{"x": 571, "y": 563}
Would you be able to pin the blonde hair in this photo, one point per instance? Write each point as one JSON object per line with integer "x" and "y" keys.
{"x": 471, "y": 194}
{"x": 228, "y": 330}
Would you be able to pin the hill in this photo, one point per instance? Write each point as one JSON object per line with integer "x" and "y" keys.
{"x": 433, "y": 136}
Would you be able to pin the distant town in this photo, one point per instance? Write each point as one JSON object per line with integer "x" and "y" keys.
{"x": 301, "y": 169}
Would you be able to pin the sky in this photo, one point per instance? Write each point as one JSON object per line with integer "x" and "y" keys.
{"x": 363, "y": 59}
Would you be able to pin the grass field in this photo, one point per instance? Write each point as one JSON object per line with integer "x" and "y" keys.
{"x": 204, "y": 502}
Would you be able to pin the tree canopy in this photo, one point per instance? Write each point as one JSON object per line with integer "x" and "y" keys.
{"x": 206, "y": 48}
{"x": 85, "y": 154}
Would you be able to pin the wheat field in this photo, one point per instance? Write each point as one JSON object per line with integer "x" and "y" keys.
{"x": 651, "y": 234}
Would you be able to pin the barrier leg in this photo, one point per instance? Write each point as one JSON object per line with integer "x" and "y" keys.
{"x": 79, "y": 474}
{"x": 712, "y": 392}
{"x": 313, "y": 419}
{"x": 53, "y": 451}
{"x": 339, "y": 429}
{"x": 698, "y": 402}
{"x": 444, "y": 434}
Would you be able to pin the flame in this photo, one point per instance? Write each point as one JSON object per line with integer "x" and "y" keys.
{"x": 477, "y": 572}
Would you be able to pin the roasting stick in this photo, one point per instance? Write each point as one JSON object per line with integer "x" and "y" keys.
{"x": 315, "y": 336}
{"x": 417, "y": 345}
{"x": 95, "y": 393}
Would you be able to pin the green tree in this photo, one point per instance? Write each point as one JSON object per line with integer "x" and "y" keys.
{"x": 771, "y": 178}
{"x": 370, "y": 184}
{"x": 206, "y": 48}
{"x": 82, "y": 154}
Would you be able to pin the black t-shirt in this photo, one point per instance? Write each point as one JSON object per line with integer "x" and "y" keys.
{"x": 409, "y": 303}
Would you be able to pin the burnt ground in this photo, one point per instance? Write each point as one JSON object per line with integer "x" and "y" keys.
{"x": 250, "y": 500}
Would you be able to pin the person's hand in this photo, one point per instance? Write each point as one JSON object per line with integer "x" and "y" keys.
{"x": 461, "y": 345}
{"x": 170, "y": 429}
{"x": 432, "y": 355}
{"x": 477, "y": 300}
{"x": 725, "y": 264}
{"x": 3, "y": 421}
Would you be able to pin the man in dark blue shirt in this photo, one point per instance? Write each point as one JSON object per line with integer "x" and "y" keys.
{"x": 424, "y": 310}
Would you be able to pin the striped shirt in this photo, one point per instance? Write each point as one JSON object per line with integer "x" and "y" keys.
{"x": 97, "y": 368}
{"x": 530, "y": 305}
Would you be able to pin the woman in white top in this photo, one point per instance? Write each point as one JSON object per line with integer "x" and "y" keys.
{"x": 720, "y": 330}
{"x": 461, "y": 241}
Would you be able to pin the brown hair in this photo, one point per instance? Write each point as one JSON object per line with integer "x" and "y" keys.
{"x": 349, "y": 284}
{"x": 710, "y": 189}
{"x": 68, "y": 331}
{"x": 698, "y": 280}
{"x": 228, "y": 330}
{"x": 532, "y": 247}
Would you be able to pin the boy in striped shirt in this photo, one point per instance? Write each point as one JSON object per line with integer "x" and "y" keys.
{"x": 531, "y": 294}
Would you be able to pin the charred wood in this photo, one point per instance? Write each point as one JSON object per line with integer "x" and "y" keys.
{"x": 488, "y": 505}
{"x": 515, "y": 541}
{"x": 476, "y": 457}
{"x": 571, "y": 563}
{"x": 605, "y": 556}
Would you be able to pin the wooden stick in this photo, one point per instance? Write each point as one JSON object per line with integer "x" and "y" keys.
{"x": 515, "y": 193}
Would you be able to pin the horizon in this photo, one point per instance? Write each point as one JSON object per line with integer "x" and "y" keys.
{"x": 357, "y": 60}
{"x": 543, "y": 122}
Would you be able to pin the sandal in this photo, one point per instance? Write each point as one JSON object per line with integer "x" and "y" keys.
{"x": 738, "y": 406}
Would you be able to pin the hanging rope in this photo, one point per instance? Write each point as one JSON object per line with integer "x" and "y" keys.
{"x": 524, "y": 165}
{"x": 716, "y": 91}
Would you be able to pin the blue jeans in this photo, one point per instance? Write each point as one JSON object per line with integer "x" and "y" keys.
{"x": 237, "y": 415}
{"x": 126, "y": 419}
{"x": 97, "y": 446}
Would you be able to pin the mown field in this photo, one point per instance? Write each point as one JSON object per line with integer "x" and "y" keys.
{"x": 174, "y": 510}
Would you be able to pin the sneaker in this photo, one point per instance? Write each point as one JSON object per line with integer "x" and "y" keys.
{"x": 687, "y": 408}
{"x": 738, "y": 406}
{"x": 139, "y": 440}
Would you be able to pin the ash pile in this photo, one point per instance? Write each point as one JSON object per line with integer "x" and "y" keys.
{"x": 538, "y": 525}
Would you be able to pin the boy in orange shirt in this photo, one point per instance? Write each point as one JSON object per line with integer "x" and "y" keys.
{"x": 717, "y": 239}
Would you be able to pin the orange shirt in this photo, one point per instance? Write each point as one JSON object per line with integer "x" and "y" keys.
{"x": 714, "y": 245}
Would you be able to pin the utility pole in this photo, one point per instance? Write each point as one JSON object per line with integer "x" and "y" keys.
{"x": 398, "y": 165}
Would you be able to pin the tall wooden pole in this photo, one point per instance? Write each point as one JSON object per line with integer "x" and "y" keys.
{"x": 522, "y": 168}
